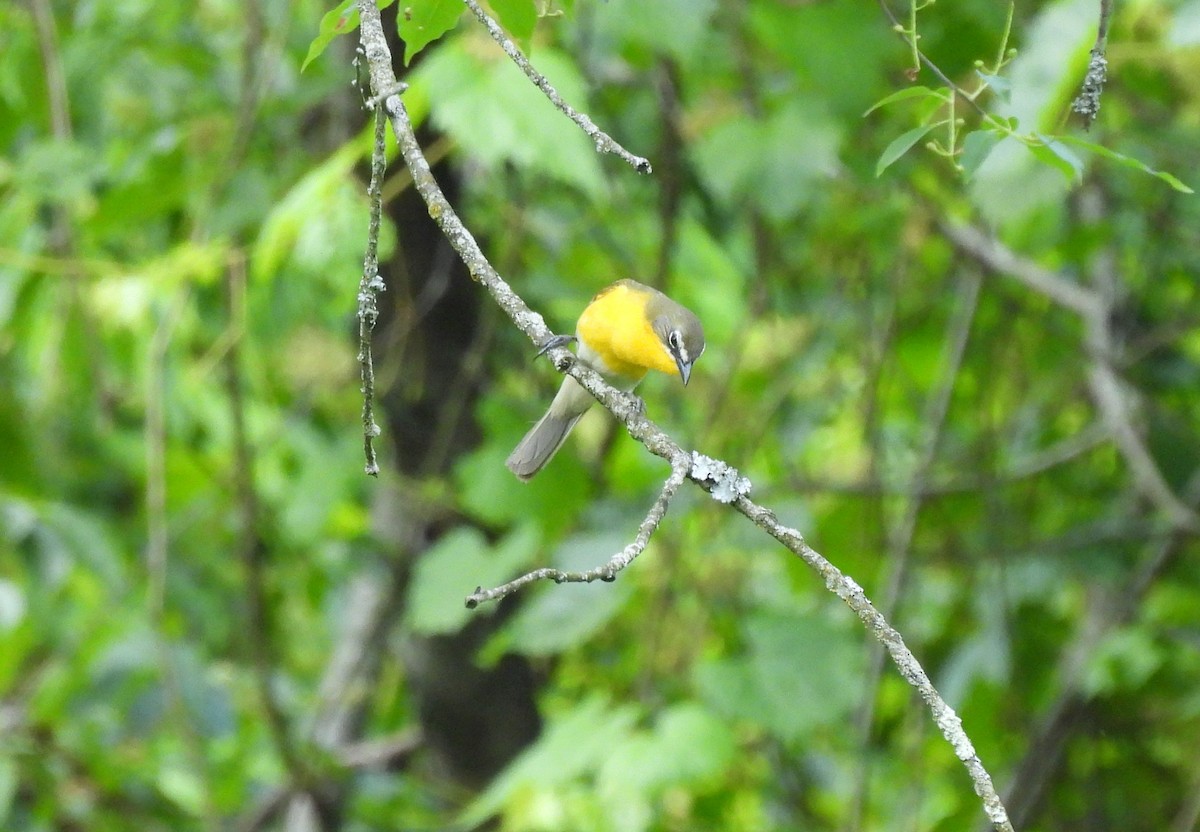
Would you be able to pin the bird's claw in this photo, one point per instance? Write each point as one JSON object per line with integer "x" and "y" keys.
{"x": 555, "y": 341}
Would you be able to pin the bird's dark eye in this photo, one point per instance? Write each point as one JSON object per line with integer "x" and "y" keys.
{"x": 673, "y": 339}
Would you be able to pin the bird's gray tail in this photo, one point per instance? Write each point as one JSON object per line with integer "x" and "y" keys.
{"x": 540, "y": 444}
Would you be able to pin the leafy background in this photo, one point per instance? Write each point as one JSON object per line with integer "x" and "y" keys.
{"x": 210, "y": 619}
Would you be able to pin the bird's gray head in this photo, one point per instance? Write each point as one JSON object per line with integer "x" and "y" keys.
{"x": 683, "y": 336}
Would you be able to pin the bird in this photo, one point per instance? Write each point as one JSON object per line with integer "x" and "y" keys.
{"x": 626, "y": 330}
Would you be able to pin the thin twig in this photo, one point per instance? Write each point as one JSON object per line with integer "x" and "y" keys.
{"x": 369, "y": 288}
{"x": 1115, "y": 400}
{"x": 56, "y": 84}
{"x": 899, "y": 28}
{"x": 722, "y": 481}
{"x": 680, "y": 467}
{"x": 604, "y": 142}
{"x": 374, "y": 101}
{"x": 390, "y": 751}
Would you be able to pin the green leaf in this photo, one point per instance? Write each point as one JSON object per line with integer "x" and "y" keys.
{"x": 458, "y": 563}
{"x": 774, "y": 683}
{"x": 489, "y": 107}
{"x": 425, "y": 21}
{"x": 747, "y": 160}
{"x": 339, "y": 20}
{"x": 903, "y": 95}
{"x": 1055, "y": 153}
{"x": 295, "y": 219}
{"x": 689, "y": 744}
{"x": 574, "y": 744}
{"x": 518, "y": 17}
{"x": 1000, "y": 85}
{"x": 899, "y": 146}
{"x": 975, "y": 149}
{"x": 1127, "y": 161}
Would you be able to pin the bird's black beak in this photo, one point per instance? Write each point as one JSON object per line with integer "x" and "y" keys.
{"x": 685, "y": 369}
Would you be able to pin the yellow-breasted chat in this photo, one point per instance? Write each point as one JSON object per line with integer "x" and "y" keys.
{"x": 626, "y": 330}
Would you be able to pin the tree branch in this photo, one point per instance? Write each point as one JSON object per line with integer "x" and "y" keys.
{"x": 1087, "y": 103}
{"x": 680, "y": 468}
{"x": 853, "y": 596}
{"x": 604, "y": 142}
{"x": 369, "y": 288}
{"x": 721, "y": 480}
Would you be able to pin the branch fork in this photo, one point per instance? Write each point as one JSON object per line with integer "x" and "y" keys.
{"x": 707, "y": 472}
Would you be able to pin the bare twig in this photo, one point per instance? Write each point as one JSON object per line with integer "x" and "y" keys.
{"x": 374, "y": 101}
{"x": 604, "y": 142}
{"x": 346, "y": 684}
{"x": 721, "y": 480}
{"x": 56, "y": 84}
{"x": 380, "y": 752}
{"x": 672, "y": 172}
{"x": 900, "y": 29}
{"x": 680, "y": 467}
{"x": 369, "y": 288}
{"x": 1115, "y": 400}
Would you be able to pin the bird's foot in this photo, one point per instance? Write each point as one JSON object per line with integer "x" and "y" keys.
{"x": 555, "y": 341}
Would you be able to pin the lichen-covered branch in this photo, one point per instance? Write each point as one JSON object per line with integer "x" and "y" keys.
{"x": 852, "y": 594}
{"x": 1087, "y": 103}
{"x": 369, "y": 288}
{"x": 680, "y": 468}
{"x": 720, "y": 479}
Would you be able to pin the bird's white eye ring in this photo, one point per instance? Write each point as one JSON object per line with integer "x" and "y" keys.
{"x": 673, "y": 339}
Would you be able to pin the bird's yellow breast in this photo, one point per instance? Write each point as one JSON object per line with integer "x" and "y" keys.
{"x": 615, "y": 326}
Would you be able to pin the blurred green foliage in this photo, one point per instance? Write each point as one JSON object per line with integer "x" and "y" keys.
{"x": 182, "y": 223}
